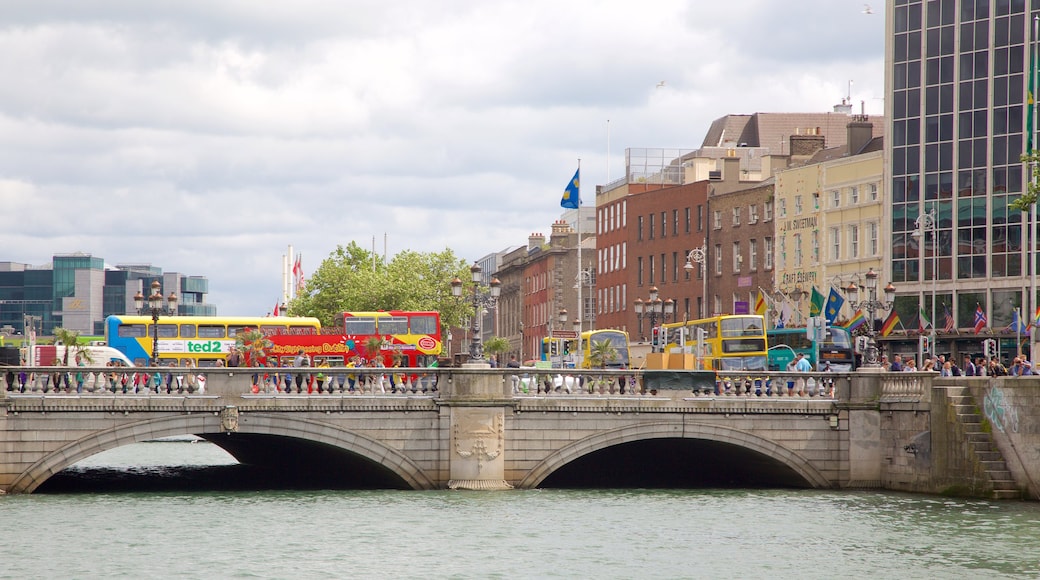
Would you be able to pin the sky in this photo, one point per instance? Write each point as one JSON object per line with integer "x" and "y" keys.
{"x": 208, "y": 136}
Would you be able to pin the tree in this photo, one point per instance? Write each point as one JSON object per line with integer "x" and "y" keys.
{"x": 254, "y": 345}
{"x": 496, "y": 345}
{"x": 70, "y": 338}
{"x": 1025, "y": 203}
{"x": 601, "y": 353}
{"x": 355, "y": 279}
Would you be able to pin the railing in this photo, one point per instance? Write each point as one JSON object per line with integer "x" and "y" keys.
{"x": 438, "y": 382}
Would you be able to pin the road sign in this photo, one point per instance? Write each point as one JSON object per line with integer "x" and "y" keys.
{"x": 565, "y": 334}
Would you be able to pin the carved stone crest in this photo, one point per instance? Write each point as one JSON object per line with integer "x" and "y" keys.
{"x": 229, "y": 419}
{"x": 480, "y": 436}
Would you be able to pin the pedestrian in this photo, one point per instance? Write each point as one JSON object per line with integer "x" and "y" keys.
{"x": 801, "y": 365}
{"x": 969, "y": 367}
{"x": 301, "y": 361}
{"x": 980, "y": 367}
{"x": 897, "y": 364}
{"x": 320, "y": 377}
{"x": 234, "y": 358}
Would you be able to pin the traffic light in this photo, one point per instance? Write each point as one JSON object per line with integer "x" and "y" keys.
{"x": 554, "y": 347}
{"x": 655, "y": 337}
{"x": 566, "y": 347}
{"x": 989, "y": 348}
{"x": 926, "y": 343}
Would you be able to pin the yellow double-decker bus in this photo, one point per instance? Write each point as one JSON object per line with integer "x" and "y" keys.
{"x": 564, "y": 353}
{"x": 726, "y": 343}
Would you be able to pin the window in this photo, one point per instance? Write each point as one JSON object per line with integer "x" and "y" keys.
{"x": 700, "y": 218}
{"x": 798, "y": 250}
{"x": 687, "y": 220}
{"x": 835, "y": 198}
{"x": 675, "y": 223}
{"x": 639, "y": 270}
{"x": 664, "y": 225}
{"x": 853, "y": 195}
{"x": 797, "y": 205}
{"x": 639, "y": 228}
{"x": 651, "y": 231}
{"x": 872, "y": 241}
{"x": 718, "y": 304}
{"x": 651, "y": 276}
{"x": 737, "y": 258}
{"x": 815, "y": 239}
{"x": 214, "y": 331}
{"x": 718, "y": 259}
{"x": 716, "y": 219}
{"x": 767, "y": 253}
{"x": 752, "y": 211}
{"x": 767, "y": 211}
{"x": 853, "y": 241}
{"x": 736, "y": 216}
{"x": 781, "y": 208}
{"x": 753, "y": 255}
{"x": 835, "y": 244}
{"x": 675, "y": 266}
{"x": 873, "y": 191}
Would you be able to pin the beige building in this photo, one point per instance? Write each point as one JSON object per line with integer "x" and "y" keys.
{"x": 829, "y": 222}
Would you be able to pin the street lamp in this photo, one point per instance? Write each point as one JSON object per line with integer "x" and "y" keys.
{"x": 700, "y": 256}
{"x": 649, "y": 309}
{"x": 871, "y": 304}
{"x": 483, "y": 297}
{"x": 585, "y": 277}
{"x": 156, "y": 307}
{"x": 926, "y": 222}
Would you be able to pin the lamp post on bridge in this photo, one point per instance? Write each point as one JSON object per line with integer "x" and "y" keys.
{"x": 925, "y": 223}
{"x": 483, "y": 297}
{"x": 653, "y": 308}
{"x": 700, "y": 256}
{"x": 872, "y": 305}
{"x": 156, "y": 307}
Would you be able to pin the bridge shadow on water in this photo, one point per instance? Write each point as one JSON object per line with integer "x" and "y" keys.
{"x": 280, "y": 463}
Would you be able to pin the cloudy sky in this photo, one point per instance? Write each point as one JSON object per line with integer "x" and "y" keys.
{"x": 207, "y": 136}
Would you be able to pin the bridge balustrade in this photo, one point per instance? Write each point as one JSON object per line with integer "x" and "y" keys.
{"x": 434, "y": 382}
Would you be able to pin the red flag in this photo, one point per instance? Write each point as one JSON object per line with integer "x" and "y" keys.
{"x": 276, "y": 307}
{"x": 297, "y": 271}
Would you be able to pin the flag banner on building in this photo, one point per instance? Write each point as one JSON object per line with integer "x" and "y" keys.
{"x": 1035, "y": 321}
{"x": 816, "y": 303}
{"x": 923, "y": 323}
{"x": 949, "y": 326}
{"x": 890, "y": 323}
{"x": 297, "y": 271}
{"x": 785, "y": 315}
{"x": 572, "y": 194}
{"x": 834, "y": 304}
{"x": 760, "y": 304}
{"x": 857, "y": 321}
{"x": 1016, "y": 323}
{"x": 980, "y": 318}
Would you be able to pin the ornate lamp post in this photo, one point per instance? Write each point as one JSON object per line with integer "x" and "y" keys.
{"x": 157, "y": 307}
{"x": 925, "y": 223}
{"x": 872, "y": 305}
{"x": 649, "y": 309}
{"x": 700, "y": 256}
{"x": 586, "y": 278}
{"x": 483, "y": 297}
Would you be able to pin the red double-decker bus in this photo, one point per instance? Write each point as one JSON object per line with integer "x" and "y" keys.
{"x": 412, "y": 339}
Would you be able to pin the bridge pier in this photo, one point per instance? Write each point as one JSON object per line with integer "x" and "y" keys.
{"x": 477, "y": 413}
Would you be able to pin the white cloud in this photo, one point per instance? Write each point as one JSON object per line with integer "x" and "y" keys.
{"x": 207, "y": 136}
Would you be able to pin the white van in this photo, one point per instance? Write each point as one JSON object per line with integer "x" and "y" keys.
{"x": 47, "y": 355}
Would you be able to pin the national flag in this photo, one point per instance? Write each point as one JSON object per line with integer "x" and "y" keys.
{"x": 923, "y": 323}
{"x": 297, "y": 271}
{"x": 857, "y": 321}
{"x": 816, "y": 303}
{"x": 760, "y": 304}
{"x": 949, "y": 325}
{"x": 1016, "y": 323}
{"x": 572, "y": 194}
{"x": 890, "y": 323}
{"x": 277, "y": 309}
{"x": 785, "y": 315}
{"x": 834, "y": 304}
{"x": 980, "y": 318}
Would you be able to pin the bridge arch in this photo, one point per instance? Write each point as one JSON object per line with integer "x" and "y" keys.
{"x": 205, "y": 423}
{"x": 671, "y": 430}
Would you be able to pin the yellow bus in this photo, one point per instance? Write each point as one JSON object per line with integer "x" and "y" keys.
{"x": 727, "y": 343}
{"x": 564, "y": 353}
{"x": 204, "y": 340}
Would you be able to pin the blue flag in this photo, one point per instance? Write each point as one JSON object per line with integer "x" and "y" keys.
{"x": 834, "y": 304}
{"x": 571, "y": 195}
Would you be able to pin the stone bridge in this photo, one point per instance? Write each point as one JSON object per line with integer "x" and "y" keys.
{"x": 481, "y": 428}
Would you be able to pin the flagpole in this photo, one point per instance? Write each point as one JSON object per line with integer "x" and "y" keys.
{"x": 581, "y": 313}
{"x": 1032, "y": 218}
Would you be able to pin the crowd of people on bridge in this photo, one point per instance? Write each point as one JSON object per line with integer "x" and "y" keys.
{"x": 979, "y": 367}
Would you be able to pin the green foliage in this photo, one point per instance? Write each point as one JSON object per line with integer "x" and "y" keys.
{"x": 373, "y": 345}
{"x": 70, "y": 338}
{"x": 354, "y": 279}
{"x": 253, "y": 345}
{"x": 601, "y": 353}
{"x": 496, "y": 345}
{"x": 1029, "y": 198}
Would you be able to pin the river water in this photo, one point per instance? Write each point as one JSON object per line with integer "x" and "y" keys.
{"x": 517, "y": 534}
